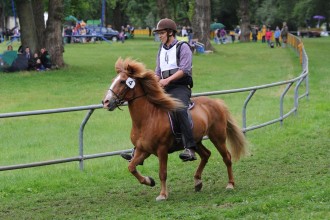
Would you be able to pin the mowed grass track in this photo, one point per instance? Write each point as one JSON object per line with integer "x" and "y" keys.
{"x": 286, "y": 177}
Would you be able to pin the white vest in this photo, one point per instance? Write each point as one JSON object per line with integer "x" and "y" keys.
{"x": 167, "y": 59}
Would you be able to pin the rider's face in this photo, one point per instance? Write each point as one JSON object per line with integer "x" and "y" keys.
{"x": 163, "y": 36}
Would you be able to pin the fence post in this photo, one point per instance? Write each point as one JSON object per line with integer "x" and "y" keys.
{"x": 281, "y": 100}
{"x": 244, "y": 109}
{"x": 81, "y": 138}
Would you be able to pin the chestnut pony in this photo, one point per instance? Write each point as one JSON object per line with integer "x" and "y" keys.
{"x": 151, "y": 132}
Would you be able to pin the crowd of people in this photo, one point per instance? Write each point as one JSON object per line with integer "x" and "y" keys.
{"x": 221, "y": 36}
{"x": 78, "y": 29}
{"x": 264, "y": 33}
{"x": 81, "y": 33}
{"x": 9, "y": 34}
{"x": 24, "y": 60}
{"x": 267, "y": 35}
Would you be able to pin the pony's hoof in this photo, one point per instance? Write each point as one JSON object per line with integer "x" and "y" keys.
{"x": 230, "y": 186}
{"x": 161, "y": 198}
{"x": 151, "y": 181}
{"x": 198, "y": 185}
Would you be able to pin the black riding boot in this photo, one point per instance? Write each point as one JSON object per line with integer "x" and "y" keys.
{"x": 187, "y": 136}
{"x": 129, "y": 156}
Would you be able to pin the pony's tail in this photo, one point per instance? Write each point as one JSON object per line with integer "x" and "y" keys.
{"x": 236, "y": 138}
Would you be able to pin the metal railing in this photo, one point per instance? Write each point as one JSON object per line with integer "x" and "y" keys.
{"x": 303, "y": 77}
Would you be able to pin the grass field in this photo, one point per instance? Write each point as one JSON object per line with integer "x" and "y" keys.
{"x": 286, "y": 177}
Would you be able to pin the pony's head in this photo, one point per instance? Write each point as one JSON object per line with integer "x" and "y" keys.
{"x": 133, "y": 80}
{"x": 122, "y": 84}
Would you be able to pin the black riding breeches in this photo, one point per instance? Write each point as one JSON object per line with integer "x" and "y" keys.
{"x": 183, "y": 93}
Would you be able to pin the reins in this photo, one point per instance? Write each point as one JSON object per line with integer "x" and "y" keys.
{"x": 119, "y": 101}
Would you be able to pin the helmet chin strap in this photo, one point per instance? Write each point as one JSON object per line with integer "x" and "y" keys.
{"x": 168, "y": 36}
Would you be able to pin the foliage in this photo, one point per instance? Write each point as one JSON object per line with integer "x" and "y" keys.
{"x": 225, "y": 12}
{"x": 266, "y": 13}
{"x": 6, "y": 8}
{"x": 142, "y": 13}
{"x": 286, "y": 177}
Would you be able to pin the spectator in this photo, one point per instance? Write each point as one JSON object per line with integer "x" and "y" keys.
{"x": 45, "y": 58}
{"x": 238, "y": 32}
{"x": 284, "y": 34}
{"x": 27, "y": 53}
{"x": 9, "y": 48}
{"x": 37, "y": 63}
{"x": 122, "y": 36}
{"x": 223, "y": 36}
{"x": 217, "y": 36}
{"x": 263, "y": 34}
{"x": 8, "y": 57}
{"x": 184, "y": 32}
{"x": 254, "y": 33}
{"x": 277, "y": 37}
{"x": 20, "y": 49}
{"x": 83, "y": 31}
{"x": 17, "y": 34}
{"x": 190, "y": 34}
{"x": 268, "y": 36}
{"x": 68, "y": 33}
{"x": 29, "y": 57}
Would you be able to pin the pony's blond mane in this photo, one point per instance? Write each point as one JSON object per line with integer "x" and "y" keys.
{"x": 148, "y": 80}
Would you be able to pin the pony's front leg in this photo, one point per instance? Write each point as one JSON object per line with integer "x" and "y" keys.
{"x": 205, "y": 155}
{"x": 162, "y": 157}
{"x": 138, "y": 158}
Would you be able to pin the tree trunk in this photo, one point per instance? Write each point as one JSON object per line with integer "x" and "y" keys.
{"x": 117, "y": 17}
{"x": 27, "y": 25}
{"x": 201, "y": 23}
{"x": 39, "y": 20}
{"x": 2, "y": 16}
{"x": 245, "y": 20}
{"x": 163, "y": 9}
{"x": 53, "y": 33}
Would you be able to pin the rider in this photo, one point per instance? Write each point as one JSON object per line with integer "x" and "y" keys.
{"x": 175, "y": 76}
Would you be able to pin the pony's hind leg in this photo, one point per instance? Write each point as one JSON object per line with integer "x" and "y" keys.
{"x": 220, "y": 144}
{"x": 205, "y": 155}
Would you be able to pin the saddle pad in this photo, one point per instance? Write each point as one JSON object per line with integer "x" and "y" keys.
{"x": 175, "y": 124}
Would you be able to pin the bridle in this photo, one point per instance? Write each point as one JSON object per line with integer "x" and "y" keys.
{"x": 120, "y": 97}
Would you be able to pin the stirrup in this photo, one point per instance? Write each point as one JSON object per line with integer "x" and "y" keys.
{"x": 187, "y": 155}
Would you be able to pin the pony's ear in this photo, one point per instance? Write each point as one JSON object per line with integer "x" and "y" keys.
{"x": 118, "y": 64}
{"x": 130, "y": 70}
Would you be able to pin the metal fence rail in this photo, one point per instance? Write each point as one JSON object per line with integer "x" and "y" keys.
{"x": 303, "y": 77}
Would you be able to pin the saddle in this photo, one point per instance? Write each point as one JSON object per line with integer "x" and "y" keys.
{"x": 175, "y": 127}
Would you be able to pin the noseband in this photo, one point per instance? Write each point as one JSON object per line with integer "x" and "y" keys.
{"x": 120, "y": 98}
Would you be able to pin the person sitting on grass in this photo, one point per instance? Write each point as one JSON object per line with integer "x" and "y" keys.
{"x": 45, "y": 59}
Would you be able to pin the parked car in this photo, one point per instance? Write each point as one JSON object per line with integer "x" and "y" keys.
{"x": 108, "y": 33}
{"x": 111, "y": 34}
